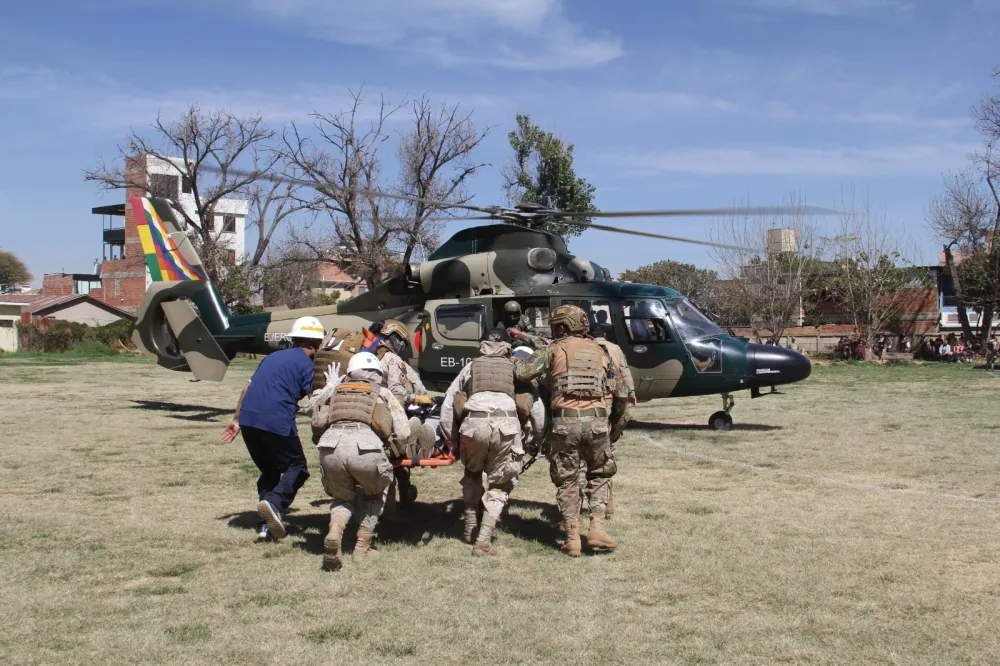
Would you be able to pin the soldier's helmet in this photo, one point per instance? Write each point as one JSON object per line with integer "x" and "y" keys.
{"x": 572, "y": 317}
{"x": 394, "y": 327}
{"x": 512, "y": 307}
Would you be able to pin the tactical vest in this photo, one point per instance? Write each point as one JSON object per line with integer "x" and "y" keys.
{"x": 579, "y": 368}
{"x": 347, "y": 343}
{"x": 358, "y": 402}
{"x": 494, "y": 374}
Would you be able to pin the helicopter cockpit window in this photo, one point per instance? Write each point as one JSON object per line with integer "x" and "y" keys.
{"x": 600, "y": 316}
{"x": 707, "y": 354}
{"x": 646, "y": 320}
{"x": 460, "y": 322}
{"x": 538, "y": 318}
{"x": 691, "y": 323}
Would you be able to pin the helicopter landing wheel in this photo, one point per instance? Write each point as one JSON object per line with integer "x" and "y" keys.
{"x": 720, "y": 421}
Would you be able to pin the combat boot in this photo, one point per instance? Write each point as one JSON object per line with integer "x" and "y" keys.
{"x": 597, "y": 538}
{"x": 471, "y": 522}
{"x": 331, "y": 544}
{"x": 572, "y": 545}
{"x": 485, "y": 540}
{"x": 363, "y": 548}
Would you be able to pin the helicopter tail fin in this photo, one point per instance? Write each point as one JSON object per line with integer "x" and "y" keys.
{"x": 182, "y": 312}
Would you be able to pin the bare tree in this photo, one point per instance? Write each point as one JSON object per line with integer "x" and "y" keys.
{"x": 435, "y": 163}
{"x": 966, "y": 217}
{"x": 348, "y": 157}
{"x": 289, "y": 276}
{"x": 962, "y": 218}
{"x": 774, "y": 265}
{"x": 208, "y": 157}
{"x": 873, "y": 274}
{"x": 362, "y": 232}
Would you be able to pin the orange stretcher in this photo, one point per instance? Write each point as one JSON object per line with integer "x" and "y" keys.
{"x": 437, "y": 460}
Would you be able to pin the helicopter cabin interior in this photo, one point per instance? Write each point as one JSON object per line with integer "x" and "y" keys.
{"x": 456, "y": 327}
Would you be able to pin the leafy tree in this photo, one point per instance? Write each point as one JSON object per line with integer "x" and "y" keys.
{"x": 542, "y": 173}
{"x": 698, "y": 284}
{"x": 321, "y": 299}
{"x": 12, "y": 270}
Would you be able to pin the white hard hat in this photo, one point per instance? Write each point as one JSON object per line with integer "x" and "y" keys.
{"x": 364, "y": 361}
{"x": 308, "y": 327}
{"x": 522, "y": 352}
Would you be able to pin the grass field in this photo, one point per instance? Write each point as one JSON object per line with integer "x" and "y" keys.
{"x": 852, "y": 520}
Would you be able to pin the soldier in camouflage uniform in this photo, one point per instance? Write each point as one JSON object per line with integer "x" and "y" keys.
{"x": 490, "y": 434}
{"x": 620, "y": 400}
{"x": 359, "y": 419}
{"x": 575, "y": 370}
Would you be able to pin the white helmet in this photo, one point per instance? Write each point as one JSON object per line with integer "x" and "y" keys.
{"x": 522, "y": 352}
{"x": 308, "y": 327}
{"x": 364, "y": 361}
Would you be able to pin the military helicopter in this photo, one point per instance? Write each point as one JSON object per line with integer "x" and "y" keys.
{"x": 452, "y": 299}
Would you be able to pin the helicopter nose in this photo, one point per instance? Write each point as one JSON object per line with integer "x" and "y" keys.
{"x": 768, "y": 365}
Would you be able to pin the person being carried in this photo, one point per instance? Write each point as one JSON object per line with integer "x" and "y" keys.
{"x": 265, "y": 415}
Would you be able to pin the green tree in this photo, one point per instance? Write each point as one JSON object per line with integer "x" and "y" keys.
{"x": 698, "y": 284}
{"x": 542, "y": 173}
{"x": 12, "y": 270}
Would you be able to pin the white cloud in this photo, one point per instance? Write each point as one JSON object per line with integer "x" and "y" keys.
{"x": 519, "y": 34}
{"x": 926, "y": 159}
{"x": 824, "y": 7}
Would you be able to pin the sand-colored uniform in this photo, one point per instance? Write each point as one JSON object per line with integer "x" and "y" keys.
{"x": 490, "y": 432}
{"x": 574, "y": 369}
{"x": 352, "y": 455}
{"x": 398, "y": 376}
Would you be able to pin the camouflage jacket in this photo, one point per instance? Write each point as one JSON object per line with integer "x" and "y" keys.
{"x": 621, "y": 384}
{"x": 398, "y": 376}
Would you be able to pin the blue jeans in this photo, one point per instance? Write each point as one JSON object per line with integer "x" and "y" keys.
{"x": 282, "y": 465}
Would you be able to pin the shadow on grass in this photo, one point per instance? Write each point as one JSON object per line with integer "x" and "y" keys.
{"x": 200, "y": 413}
{"x": 667, "y": 425}
{"x": 418, "y": 524}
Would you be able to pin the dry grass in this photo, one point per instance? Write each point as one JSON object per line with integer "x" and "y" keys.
{"x": 852, "y": 520}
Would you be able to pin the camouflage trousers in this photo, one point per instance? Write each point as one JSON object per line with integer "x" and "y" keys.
{"x": 492, "y": 446}
{"x": 356, "y": 459}
{"x": 576, "y": 442}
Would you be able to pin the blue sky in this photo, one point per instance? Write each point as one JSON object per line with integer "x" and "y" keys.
{"x": 669, "y": 104}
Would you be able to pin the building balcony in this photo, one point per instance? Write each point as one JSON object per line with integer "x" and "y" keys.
{"x": 114, "y": 236}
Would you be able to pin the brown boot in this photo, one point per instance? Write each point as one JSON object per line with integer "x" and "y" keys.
{"x": 485, "y": 540}
{"x": 471, "y": 522}
{"x": 362, "y": 550}
{"x": 331, "y": 544}
{"x": 596, "y": 536}
{"x": 572, "y": 545}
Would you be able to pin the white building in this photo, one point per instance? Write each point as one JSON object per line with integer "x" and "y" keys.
{"x": 229, "y": 227}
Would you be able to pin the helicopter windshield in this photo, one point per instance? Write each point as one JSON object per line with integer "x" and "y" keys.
{"x": 691, "y": 323}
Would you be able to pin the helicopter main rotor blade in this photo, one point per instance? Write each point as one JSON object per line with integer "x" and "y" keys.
{"x": 696, "y": 212}
{"x": 634, "y": 232}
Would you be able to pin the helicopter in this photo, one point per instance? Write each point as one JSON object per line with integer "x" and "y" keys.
{"x": 451, "y": 300}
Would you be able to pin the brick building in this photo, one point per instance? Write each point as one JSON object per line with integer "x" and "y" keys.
{"x": 123, "y": 274}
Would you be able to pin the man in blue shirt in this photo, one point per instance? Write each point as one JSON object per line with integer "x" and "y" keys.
{"x": 265, "y": 414}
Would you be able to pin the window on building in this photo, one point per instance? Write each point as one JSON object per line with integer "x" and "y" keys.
{"x": 229, "y": 224}
{"x": 6, "y": 323}
{"x": 163, "y": 185}
{"x": 362, "y": 289}
{"x": 210, "y": 223}
{"x": 460, "y": 322}
{"x": 185, "y": 185}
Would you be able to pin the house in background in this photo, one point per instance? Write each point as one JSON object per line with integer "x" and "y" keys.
{"x": 331, "y": 276}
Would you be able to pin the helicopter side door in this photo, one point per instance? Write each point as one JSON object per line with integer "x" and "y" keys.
{"x": 451, "y": 333}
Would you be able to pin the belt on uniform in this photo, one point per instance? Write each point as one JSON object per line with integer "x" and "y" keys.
{"x": 347, "y": 424}
{"x": 502, "y": 414}
{"x": 599, "y": 412}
